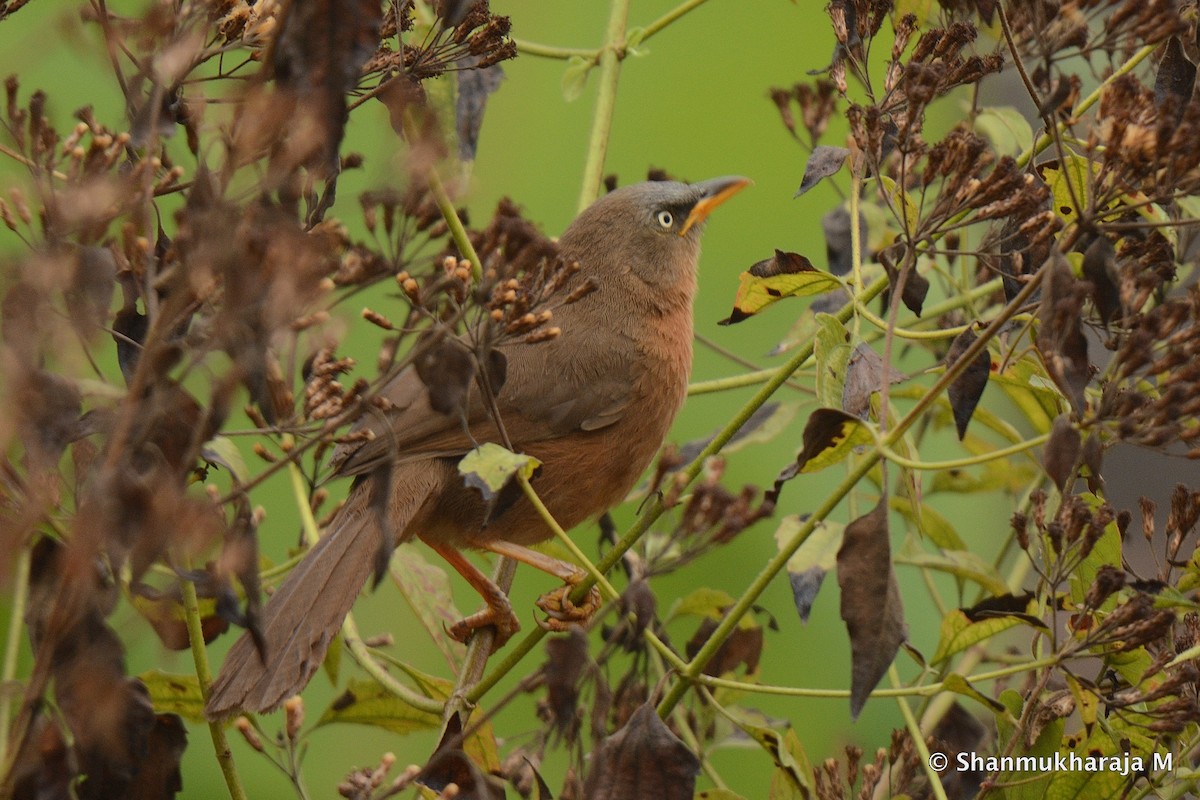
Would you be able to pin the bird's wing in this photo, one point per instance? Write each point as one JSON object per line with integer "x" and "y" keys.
{"x": 549, "y": 392}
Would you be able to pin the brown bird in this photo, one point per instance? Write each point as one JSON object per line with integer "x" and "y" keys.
{"x": 593, "y": 405}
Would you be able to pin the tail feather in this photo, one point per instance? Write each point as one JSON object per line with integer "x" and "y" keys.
{"x": 301, "y": 618}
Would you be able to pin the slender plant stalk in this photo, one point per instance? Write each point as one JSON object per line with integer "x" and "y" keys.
{"x": 606, "y": 102}
{"x": 12, "y": 643}
{"x": 191, "y": 608}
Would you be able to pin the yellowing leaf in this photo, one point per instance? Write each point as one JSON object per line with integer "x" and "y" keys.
{"x": 772, "y": 279}
{"x": 489, "y": 467}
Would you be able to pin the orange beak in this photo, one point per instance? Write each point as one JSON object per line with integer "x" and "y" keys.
{"x": 716, "y": 191}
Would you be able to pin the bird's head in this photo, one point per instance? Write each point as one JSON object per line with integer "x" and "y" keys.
{"x": 651, "y": 229}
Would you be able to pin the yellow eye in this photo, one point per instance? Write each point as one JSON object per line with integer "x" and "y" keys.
{"x": 665, "y": 219}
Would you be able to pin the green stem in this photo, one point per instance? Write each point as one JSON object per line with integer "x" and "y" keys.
{"x": 969, "y": 461}
{"x": 191, "y": 608}
{"x": 12, "y": 644}
{"x": 606, "y": 588}
{"x": 606, "y": 101}
{"x": 549, "y": 51}
{"x": 914, "y": 731}
{"x": 449, "y": 213}
{"x": 669, "y": 17}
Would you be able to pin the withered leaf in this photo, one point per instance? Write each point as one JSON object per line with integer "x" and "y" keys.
{"x": 838, "y": 251}
{"x": 315, "y": 58}
{"x": 1176, "y": 79}
{"x": 871, "y": 606}
{"x": 566, "y": 660}
{"x": 474, "y": 86}
{"x": 89, "y": 296}
{"x": 743, "y": 646}
{"x": 1093, "y": 459}
{"x": 21, "y": 315}
{"x": 916, "y": 285}
{"x": 643, "y": 759}
{"x": 446, "y": 367}
{"x": 451, "y": 764}
{"x": 967, "y": 388}
{"x": 864, "y": 376}
{"x": 772, "y": 279}
{"x": 823, "y": 162}
{"x": 1062, "y": 451}
{"x": 1060, "y": 338}
{"x": 1005, "y": 605}
{"x": 1100, "y": 268}
{"x": 159, "y": 776}
{"x": 452, "y": 12}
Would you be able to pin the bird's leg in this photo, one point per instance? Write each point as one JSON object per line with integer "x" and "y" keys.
{"x": 498, "y": 613}
{"x": 557, "y": 604}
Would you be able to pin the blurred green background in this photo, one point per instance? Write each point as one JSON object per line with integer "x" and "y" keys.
{"x": 693, "y": 102}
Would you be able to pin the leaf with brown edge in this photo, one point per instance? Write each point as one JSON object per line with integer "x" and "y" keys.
{"x": 822, "y": 162}
{"x": 871, "y": 606}
{"x": 829, "y": 436}
{"x": 1062, "y": 451}
{"x": 967, "y": 388}
{"x": 490, "y": 467}
{"x": 643, "y": 759}
{"x": 474, "y": 88}
{"x": 772, "y": 279}
{"x": 811, "y": 562}
{"x": 1060, "y": 339}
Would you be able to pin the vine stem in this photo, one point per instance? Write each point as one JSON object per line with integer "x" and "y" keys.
{"x": 191, "y": 609}
{"x": 606, "y": 102}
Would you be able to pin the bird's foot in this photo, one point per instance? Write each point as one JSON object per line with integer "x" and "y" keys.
{"x": 561, "y": 612}
{"x": 498, "y": 614}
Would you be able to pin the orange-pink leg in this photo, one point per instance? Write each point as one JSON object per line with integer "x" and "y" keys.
{"x": 497, "y": 612}
{"x": 561, "y": 612}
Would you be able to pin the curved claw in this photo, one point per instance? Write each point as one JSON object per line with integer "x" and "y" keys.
{"x": 562, "y": 613}
{"x": 497, "y": 613}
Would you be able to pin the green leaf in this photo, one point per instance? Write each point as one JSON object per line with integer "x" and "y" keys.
{"x": 575, "y": 77}
{"x": 832, "y": 352}
{"x": 958, "y": 633}
{"x": 906, "y": 211}
{"x": 785, "y": 749}
{"x": 489, "y": 467}
{"x": 961, "y": 564}
{"x": 1070, "y": 182}
{"x": 708, "y": 603}
{"x": 368, "y": 703}
{"x": 175, "y": 694}
{"x": 959, "y": 685}
{"x": 931, "y": 524}
{"x": 1106, "y": 552}
{"x": 221, "y": 450}
{"x": 1006, "y": 128}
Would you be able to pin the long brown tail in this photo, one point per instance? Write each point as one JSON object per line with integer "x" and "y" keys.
{"x": 302, "y": 617}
